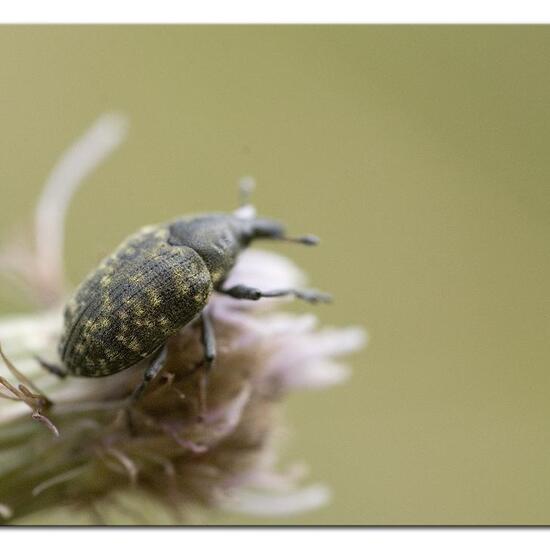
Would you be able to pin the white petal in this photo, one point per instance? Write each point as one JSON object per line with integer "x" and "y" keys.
{"x": 302, "y": 348}
{"x": 330, "y": 342}
{"x": 77, "y": 162}
{"x": 267, "y": 478}
{"x": 283, "y": 323}
{"x": 278, "y": 504}
{"x": 312, "y": 375}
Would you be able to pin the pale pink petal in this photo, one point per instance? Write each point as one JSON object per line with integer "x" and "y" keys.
{"x": 298, "y": 349}
{"x": 223, "y": 421}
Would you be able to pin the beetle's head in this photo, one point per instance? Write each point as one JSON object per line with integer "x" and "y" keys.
{"x": 219, "y": 238}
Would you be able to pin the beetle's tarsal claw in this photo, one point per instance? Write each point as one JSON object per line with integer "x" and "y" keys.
{"x": 314, "y": 296}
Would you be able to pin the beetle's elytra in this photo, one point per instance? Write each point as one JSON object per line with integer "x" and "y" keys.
{"x": 156, "y": 282}
{"x": 135, "y": 299}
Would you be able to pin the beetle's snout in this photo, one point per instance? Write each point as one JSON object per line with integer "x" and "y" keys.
{"x": 264, "y": 228}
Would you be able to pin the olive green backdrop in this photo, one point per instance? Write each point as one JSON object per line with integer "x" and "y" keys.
{"x": 419, "y": 154}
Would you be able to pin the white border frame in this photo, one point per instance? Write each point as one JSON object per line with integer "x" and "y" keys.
{"x": 275, "y": 11}
{"x": 276, "y": 538}
{"x": 280, "y": 11}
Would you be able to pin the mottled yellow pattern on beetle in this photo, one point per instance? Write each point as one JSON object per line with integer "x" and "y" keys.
{"x": 137, "y": 297}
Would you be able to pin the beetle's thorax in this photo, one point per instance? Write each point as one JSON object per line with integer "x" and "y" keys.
{"x": 219, "y": 238}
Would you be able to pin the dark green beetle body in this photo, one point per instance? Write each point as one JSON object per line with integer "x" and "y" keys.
{"x": 156, "y": 282}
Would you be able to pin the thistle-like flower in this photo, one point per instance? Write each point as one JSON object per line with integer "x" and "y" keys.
{"x": 85, "y": 452}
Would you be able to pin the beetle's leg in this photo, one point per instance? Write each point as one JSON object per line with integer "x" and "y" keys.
{"x": 209, "y": 345}
{"x": 243, "y": 292}
{"x": 150, "y": 373}
{"x": 51, "y": 368}
{"x": 155, "y": 366}
{"x": 208, "y": 340}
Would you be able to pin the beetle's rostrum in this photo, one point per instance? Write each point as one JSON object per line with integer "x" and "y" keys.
{"x": 156, "y": 282}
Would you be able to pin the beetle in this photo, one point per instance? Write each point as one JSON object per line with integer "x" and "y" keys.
{"x": 155, "y": 283}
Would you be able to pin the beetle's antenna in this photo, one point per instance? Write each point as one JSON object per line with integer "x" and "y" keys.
{"x": 308, "y": 240}
{"x": 246, "y": 210}
{"x": 246, "y": 187}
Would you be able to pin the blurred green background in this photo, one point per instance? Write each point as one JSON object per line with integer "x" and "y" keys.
{"x": 419, "y": 155}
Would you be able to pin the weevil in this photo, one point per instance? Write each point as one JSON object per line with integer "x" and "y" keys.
{"x": 155, "y": 283}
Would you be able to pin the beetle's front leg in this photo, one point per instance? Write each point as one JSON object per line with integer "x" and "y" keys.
{"x": 243, "y": 292}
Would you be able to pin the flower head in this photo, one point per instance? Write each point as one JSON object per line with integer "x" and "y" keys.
{"x": 169, "y": 447}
